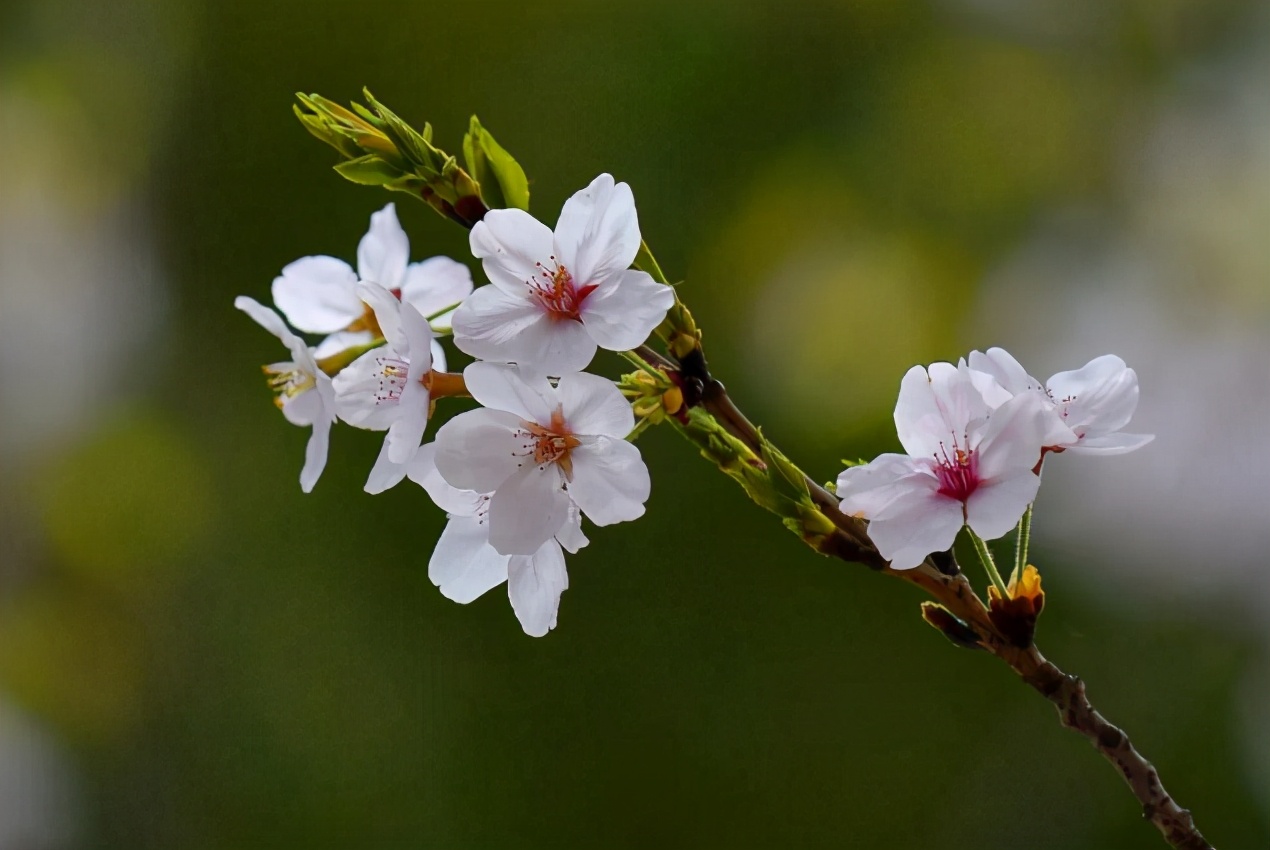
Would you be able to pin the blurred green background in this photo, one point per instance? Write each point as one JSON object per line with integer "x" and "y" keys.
{"x": 193, "y": 654}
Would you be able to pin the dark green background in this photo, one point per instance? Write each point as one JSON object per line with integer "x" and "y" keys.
{"x": 236, "y": 665}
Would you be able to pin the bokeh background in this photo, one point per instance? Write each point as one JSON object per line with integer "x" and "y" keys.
{"x": 195, "y": 655}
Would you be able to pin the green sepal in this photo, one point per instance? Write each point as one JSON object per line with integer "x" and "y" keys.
{"x": 503, "y": 182}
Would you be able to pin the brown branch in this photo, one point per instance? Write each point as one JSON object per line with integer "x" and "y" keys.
{"x": 850, "y": 542}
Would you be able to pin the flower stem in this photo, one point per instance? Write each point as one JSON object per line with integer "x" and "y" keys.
{"x": 989, "y": 565}
{"x": 1022, "y": 542}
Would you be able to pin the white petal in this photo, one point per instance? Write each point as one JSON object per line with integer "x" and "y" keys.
{"x": 1097, "y": 399}
{"x": 493, "y": 325}
{"x": 570, "y": 535}
{"x": 921, "y": 523}
{"x": 438, "y": 355}
{"x": 266, "y": 318}
{"x": 358, "y": 390}
{"x": 304, "y": 408}
{"x": 317, "y": 294}
{"x": 625, "y": 309}
{"x": 406, "y": 431}
{"x": 997, "y": 506}
{"x": 463, "y": 564}
{"x": 866, "y": 491}
{"x": 341, "y": 341}
{"x": 435, "y": 285}
{"x": 510, "y": 244}
{"x": 527, "y": 510}
{"x": 384, "y": 250}
{"x": 610, "y": 481}
{"x": 479, "y": 450}
{"x": 508, "y": 388}
{"x": 386, "y": 473}
{"x": 1005, "y": 370}
{"x": 422, "y": 470}
{"x": 387, "y": 314}
{"x": 593, "y": 405}
{"x": 315, "y": 453}
{"x": 534, "y": 586}
{"x": 1011, "y": 441}
{"x": 918, "y": 420}
{"x": 598, "y": 231}
{"x": 1111, "y": 444}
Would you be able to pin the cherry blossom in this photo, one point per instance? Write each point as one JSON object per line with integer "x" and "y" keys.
{"x": 967, "y": 463}
{"x": 539, "y": 449}
{"x": 386, "y": 388}
{"x": 319, "y": 294}
{"x": 1094, "y": 401}
{"x": 464, "y": 565}
{"x": 557, "y": 296}
{"x": 305, "y": 394}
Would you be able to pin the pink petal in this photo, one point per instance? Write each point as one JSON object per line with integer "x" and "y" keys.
{"x": 997, "y": 506}
{"x": 610, "y": 481}
{"x": 592, "y": 405}
{"x": 598, "y": 231}
{"x": 510, "y": 244}
{"x": 625, "y": 309}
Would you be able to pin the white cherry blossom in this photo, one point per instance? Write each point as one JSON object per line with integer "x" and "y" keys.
{"x": 539, "y": 449}
{"x": 319, "y": 294}
{"x": 1095, "y": 401}
{"x": 557, "y": 296}
{"x": 464, "y": 565}
{"x": 385, "y": 388}
{"x": 305, "y": 395}
{"x": 967, "y": 464}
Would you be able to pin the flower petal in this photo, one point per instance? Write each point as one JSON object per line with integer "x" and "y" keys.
{"x": 384, "y": 250}
{"x": 387, "y": 314}
{"x": 570, "y": 535}
{"x": 527, "y": 510}
{"x": 866, "y": 491}
{"x": 422, "y": 470}
{"x": 357, "y": 393}
{"x": 315, "y": 452}
{"x": 406, "y": 431}
{"x": 479, "y": 450}
{"x": 919, "y": 523}
{"x": 610, "y": 481}
{"x": 266, "y": 318}
{"x": 1097, "y": 399}
{"x": 1009, "y": 373}
{"x": 534, "y": 586}
{"x": 386, "y": 473}
{"x": 436, "y": 284}
{"x": 997, "y": 506}
{"x": 508, "y": 388}
{"x": 592, "y": 405}
{"x": 317, "y": 294}
{"x": 493, "y": 325}
{"x": 303, "y": 408}
{"x": 510, "y": 245}
{"x": 1012, "y": 439}
{"x": 598, "y": 231}
{"x": 624, "y": 310}
{"x": 341, "y": 341}
{"x": 463, "y": 564}
{"x": 1111, "y": 444}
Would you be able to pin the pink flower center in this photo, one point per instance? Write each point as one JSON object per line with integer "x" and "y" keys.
{"x": 553, "y": 288}
{"x": 393, "y": 374}
{"x": 550, "y": 443}
{"x": 958, "y": 474}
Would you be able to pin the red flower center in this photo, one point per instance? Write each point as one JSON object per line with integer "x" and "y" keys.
{"x": 554, "y": 289}
{"x": 958, "y": 474}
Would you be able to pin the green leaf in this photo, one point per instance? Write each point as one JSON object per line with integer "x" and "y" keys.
{"x": 502, "y": 180}
{"x": 369, "y": 171}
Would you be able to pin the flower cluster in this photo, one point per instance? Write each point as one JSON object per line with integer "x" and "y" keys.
{"x": 976, "y": 435}
{"x": 547, "y": 447}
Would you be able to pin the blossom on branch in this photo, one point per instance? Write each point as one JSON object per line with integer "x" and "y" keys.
{"x": 386, "y": 388}
{"x": 464, "y": 565}
{"x": 554, "y": 297}
{"x": 539, "y": 449}
{"x": 972, "y": 449}
{"x": 305, "y": 395}
{"x": 319, "y": 294}
{"x": 1094, "y": 401}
